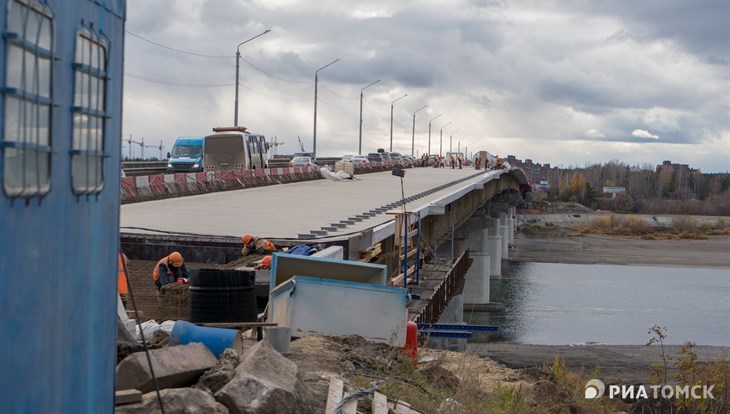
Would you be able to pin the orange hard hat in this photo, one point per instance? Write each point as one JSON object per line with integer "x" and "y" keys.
{"x": 266, "y": 261}
{"x": 175, "y": 259}
{"x": 246, "y": 239}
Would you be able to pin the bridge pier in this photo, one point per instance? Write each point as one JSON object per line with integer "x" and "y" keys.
{"x": 504, "y": 232}
{"x": 494, "y": 247}
{"x": 512, "y": 212}
{"x": 476, "y": 286}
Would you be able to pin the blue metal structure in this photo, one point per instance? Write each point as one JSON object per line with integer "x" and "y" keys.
{"x": 60, "y": 143}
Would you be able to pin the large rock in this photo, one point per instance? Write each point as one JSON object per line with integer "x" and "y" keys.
{"x": 215, "y": 378}
{"x": 176, "y": 366}
{"x": 175, "y": 401}
{"x": 265, "y": 382}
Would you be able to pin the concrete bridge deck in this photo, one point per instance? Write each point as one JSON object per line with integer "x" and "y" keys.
{"x": 301, "y": 210}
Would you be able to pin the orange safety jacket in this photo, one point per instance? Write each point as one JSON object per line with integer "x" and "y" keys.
{"x": 122, "y": 287}
{"x": 156, "y": 275}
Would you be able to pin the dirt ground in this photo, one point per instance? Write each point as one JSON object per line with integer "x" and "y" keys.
{"x": 362, "y": 363}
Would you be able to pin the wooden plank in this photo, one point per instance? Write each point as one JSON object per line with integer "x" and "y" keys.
{"x": 334, "y": 395}
{"x": 398, "y": 280}
{"x": 402, "y": 407}
{"x": 350, "y": 407}
{"x": 380, "y": 403}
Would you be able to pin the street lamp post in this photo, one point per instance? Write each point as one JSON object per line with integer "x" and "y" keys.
{"x": 441, "y": 139}
{"x": 391, "y": 120}
{"x": 451, "y": 137}
{"x": 314, "y": 134}
{"x": 413, "y": 134}
{"x": 459, "y": 150}
{"x": 238, "y": 65}
{"x": 359, "y": 146}
{"x": 429, "y": 133}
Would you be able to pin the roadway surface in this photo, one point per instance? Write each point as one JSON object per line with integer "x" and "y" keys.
{"x": 287, "y": 211}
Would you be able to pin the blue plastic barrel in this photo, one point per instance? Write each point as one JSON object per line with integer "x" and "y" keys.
{"x": 216, "y": 339}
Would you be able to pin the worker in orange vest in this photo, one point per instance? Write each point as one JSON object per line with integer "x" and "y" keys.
{"x": 122, "y": 287}
{"x": 255, "y": 244}
{"x": 169, "y": 269}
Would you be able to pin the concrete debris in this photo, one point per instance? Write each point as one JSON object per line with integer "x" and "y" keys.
{"x": 215, "y": 378}
{"x": 127, "y": 397}
{"x": 177, "y": 366}
{"x": 175, "y": 401}
{"x": 265, "y": 382}
{"x": 125, "y": 349}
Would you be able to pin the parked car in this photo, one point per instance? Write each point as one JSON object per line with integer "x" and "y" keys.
{"x": 375, "y": 157}
{"x": 346, "y": 157}
{"x": 359, "y": 160}
{"x": 395, "y": 156}
{"x": 301, "y": 162}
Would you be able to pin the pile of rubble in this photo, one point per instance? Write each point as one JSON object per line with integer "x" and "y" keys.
{"x": 191, "y": 379}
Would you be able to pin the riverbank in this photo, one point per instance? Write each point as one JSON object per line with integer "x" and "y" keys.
{"x": 556, "y": 241}
{"x": 628, "y": 364}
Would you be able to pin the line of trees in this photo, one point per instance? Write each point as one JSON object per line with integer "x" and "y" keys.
{"x": 667, "y": 189}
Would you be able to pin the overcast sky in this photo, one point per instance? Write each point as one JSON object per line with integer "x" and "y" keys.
{"x": 565, "y": 82}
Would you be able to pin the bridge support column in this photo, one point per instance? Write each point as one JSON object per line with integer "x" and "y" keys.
{"x": 475, "y": 233}
{"x": 453, "y": 315}
{"x": 504, "y": 232}
{"x": 494, "y": 249}
{"x": 476, "y": 286}
{"x": 511, "y": 220}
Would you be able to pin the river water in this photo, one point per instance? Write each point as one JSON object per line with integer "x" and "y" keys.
{"x": 562, "y": 304}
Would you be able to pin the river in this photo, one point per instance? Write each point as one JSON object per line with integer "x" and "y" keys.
{"x": 564, "y": 304}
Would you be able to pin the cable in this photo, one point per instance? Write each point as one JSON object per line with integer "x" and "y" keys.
{"x": 186, "y": 85}
{"x": 216, "y": 57}
{"x": 141, "y": 334}
{"x": 175, "y": 106}
{"x": 336, "y": 94}
{"x": 178, "y": 50}
{"x": 338, "y": 407}
{"x": 273, "y": 76}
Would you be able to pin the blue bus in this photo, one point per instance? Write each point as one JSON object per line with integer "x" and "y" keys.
{"x": 61, "y": 76}
{"x": 186, "y": 155}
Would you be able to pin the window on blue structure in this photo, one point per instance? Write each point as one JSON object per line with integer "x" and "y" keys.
{"x": 26, "y": 140}
{"x": 89, "y": 112}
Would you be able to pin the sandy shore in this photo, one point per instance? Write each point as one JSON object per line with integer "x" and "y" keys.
{"x": 614, "y": 363}
{"x": 562, "y": 245}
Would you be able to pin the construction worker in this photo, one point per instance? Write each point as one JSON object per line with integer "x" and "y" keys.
{"x": 255, "y": 244}
{"x": 169, "y": 269}
{"x": 122, "y": 287}
{"x": 265, "y": 264}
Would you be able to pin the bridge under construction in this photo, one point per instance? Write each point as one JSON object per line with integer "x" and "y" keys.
{"x": 462, "y": 217}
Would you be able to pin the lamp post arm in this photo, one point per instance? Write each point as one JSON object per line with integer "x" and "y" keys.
{"x": 238, "y": 66}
